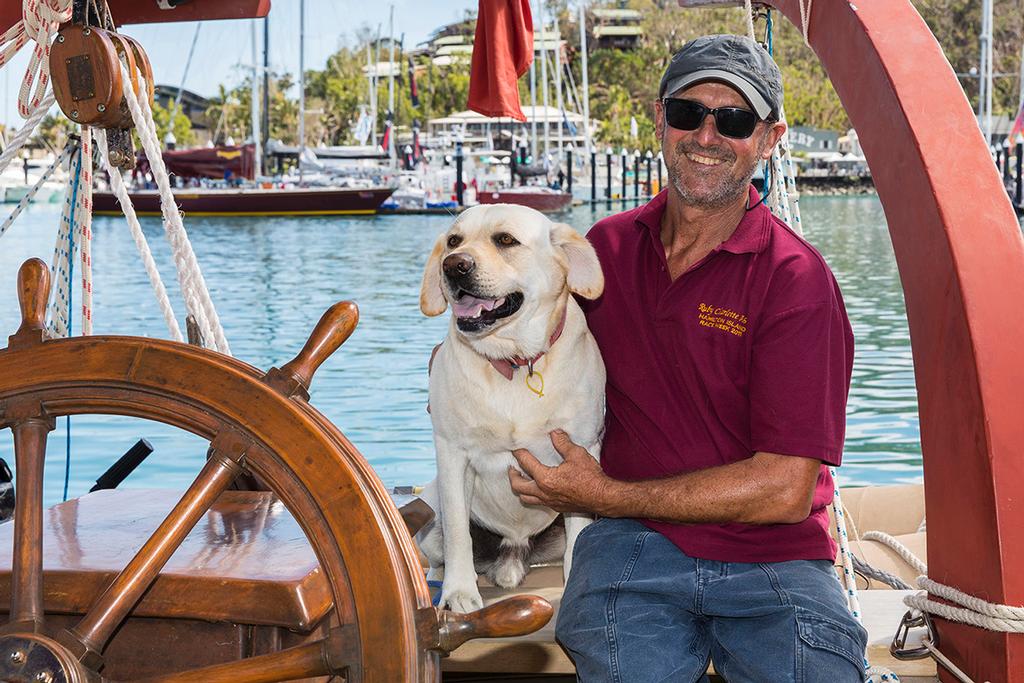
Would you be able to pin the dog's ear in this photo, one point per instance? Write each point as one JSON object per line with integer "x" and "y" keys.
{"x": 432, "y": 301}
{"x": 585, "y": 277}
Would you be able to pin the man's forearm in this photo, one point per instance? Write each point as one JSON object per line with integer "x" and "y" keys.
{"x": 764, "y": 489}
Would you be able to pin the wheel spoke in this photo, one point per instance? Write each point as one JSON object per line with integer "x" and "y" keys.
{"x": 88, "y": 638}
{"x": 27, "y": 562}
{"x": 330, "y": 655}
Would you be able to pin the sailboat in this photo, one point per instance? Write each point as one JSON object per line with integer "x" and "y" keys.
{"x": 247, "y": 194}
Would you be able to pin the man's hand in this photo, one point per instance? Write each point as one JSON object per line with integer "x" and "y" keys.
{"x": 577, "y": 485}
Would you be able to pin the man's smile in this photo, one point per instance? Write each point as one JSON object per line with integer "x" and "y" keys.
{"x": 704, "y": 161}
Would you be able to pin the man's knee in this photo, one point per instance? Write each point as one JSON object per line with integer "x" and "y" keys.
{"x": 830, "y": 648}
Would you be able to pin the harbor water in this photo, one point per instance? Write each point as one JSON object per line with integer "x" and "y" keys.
{"x": 271, "y": 279}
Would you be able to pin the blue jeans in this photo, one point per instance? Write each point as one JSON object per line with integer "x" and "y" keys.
{"x": 636, "y": 609}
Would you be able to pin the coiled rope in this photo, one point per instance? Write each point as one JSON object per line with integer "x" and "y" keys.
{"x": 974, "y": 611}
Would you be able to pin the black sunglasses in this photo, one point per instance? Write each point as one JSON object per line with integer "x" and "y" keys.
{"x": 731, "y": 122}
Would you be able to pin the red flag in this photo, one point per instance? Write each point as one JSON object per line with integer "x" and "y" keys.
{"x": 1018, "y": 128}
{"x": 502, "y": 52}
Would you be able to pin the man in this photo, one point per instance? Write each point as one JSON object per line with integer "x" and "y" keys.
{"x": 729, "y": 357}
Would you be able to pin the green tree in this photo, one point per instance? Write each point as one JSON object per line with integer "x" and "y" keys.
{"x": 229, "y": 111}
{"x": 182, "y": 126}
{"x": 53, "y": 131}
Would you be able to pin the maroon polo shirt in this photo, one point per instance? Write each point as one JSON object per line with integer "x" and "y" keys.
{"x": 749, "y": 350}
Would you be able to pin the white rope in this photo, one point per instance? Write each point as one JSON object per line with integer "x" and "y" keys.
{"x": 903, "y": 551}
{"x": 783, "y": 198}
{"x": 749, "y": 11}
{"x": 981, "y": 613}
{"x": 190, "y": 278}
{"x": 789, "y": 174}
{"x": 118, "y": 186}
{"x": 40, "y": 19}
{"x": 83, "y": 228}
{"x": 805, "y": 19}
{"x": 849, "y": 579}
{"x": 63, "y": 254}
{"x": 25, "y": 132}
{"x": 974, "y": 611}
{"x": 873, "y": 674}
{"x": 68, "y": 149}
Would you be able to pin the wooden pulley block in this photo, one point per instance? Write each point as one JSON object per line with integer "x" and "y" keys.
{"x": 127, "y": 56}
{"x": 86, "y": 75}
{"x": 143, "y": 63}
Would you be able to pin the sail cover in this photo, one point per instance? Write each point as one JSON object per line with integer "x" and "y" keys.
{"x": 212, "y": 162}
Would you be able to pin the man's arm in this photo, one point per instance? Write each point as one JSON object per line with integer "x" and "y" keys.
{"x": 768, "y": 488}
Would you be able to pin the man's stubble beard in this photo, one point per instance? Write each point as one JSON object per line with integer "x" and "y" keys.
{"x": 726, "y": 192}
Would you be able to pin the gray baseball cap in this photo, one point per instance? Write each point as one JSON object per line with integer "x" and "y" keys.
{"x": 734, "y": 60}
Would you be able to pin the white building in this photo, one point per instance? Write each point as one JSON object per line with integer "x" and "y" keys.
{"x": 478, "y": 130}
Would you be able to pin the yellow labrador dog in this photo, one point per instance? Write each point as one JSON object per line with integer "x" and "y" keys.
{"x": 517, "y": 363}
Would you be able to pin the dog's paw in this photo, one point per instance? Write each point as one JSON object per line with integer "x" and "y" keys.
{"x": 461, "y": 599}
{"x": 507, "y": 572}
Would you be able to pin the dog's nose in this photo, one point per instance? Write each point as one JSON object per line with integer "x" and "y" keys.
{"x": 458, "y": 265}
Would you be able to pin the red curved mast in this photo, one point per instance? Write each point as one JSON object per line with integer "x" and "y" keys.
{"x": 961, "y": 260}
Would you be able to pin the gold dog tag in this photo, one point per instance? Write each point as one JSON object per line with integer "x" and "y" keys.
{"x": 537, "y": 390}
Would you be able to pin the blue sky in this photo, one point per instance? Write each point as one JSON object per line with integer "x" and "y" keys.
{"x": 223, "y": 45}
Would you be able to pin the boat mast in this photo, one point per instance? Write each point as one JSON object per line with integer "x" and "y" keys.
{"x": 533, "y": 107}
{"x": 302, "y": 83}
{"x": 254, "y": 112}
{"x": 1020, "y": 103}
{"x": 985, "y": 72}
{"x": 376, "y": 81}
{"x": 184, "y": 75}
{"x": 557, "y": 54}
{"x": 586, "y": 79}
{"x": 391, "y": 88}
{"x": 370, "y": 95}
{"x": 266, "y": 81}
{"x": 544, "y": 81}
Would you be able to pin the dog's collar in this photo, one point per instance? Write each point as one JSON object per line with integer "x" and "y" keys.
{"x": 508, "y": 366}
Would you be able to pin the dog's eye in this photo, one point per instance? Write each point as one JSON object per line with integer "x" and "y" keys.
{"x": 503, "y": 239}
{"x": 454, "y": 241}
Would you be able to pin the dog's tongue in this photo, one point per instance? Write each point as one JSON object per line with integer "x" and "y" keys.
{"x": 471, "y": 307}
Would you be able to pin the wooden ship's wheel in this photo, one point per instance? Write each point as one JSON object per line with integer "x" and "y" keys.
{"x": 366, "y": 613}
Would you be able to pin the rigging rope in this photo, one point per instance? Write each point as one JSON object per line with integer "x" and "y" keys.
{"x": 30, "y": 195}
{"x": 25, "y": 132}
{"x": 973, "y": 610}
{"x": 190, "y": 277}
{"x": 63, "y": 254}
{"x": 118, "y": 186}
{"x": 83, "y": 218}
{"x": 805, "y": 19}
{"x": 39, "y": 21}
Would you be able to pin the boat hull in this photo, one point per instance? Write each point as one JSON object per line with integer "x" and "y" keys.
{"x": 545, "y": 202}
{"x": 253, "y": 202}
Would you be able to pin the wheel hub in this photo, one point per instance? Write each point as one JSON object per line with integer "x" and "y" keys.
{"x": 31, "y": 658}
